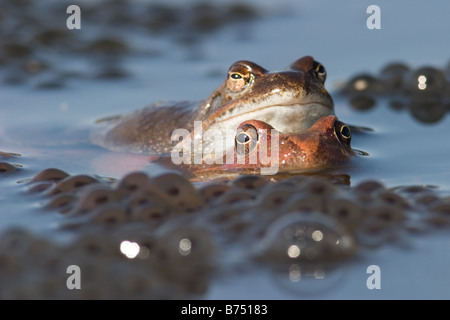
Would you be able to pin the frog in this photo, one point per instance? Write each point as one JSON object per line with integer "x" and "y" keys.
{"x": 261, "y": 149}
{"x": 290, "y": 100}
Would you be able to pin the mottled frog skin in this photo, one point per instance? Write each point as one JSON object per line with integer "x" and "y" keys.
{"x": 290, "y": 101}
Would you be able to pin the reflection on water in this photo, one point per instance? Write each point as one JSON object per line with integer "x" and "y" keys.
{"x": 309, "y": 279}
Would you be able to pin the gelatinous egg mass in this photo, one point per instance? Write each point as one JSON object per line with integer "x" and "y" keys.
{"x": 309, "y": 237}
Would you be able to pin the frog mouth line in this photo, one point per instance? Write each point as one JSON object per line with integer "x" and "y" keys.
{"x": 301, "y": 107}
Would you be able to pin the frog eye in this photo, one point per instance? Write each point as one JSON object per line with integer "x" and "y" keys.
{"x": 240, "y": 76}
{"x": 343, "y": 132}
{"x": 237, "y": 81}
{"x": 320, "y": 71}
{"x": 236, "y": 76}
{"x": 246, "y": 139}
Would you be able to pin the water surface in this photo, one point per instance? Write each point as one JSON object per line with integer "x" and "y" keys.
{"x": 49, "y": 125}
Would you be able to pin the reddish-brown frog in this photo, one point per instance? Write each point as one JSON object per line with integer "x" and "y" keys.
{"x": 259, "y": 148}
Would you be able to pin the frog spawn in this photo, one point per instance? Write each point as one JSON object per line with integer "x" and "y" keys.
{"x": 6, "y": 167}
{"x": 23, "y": 58}
{"x": 165, "y": 237}
{"x": 34, "y": 268}
{"x": 424, "y": 92}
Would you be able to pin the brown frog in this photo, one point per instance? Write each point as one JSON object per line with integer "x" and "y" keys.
{"x": 290, "y": 101}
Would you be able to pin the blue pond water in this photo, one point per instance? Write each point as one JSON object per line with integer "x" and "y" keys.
{"x": 49, "y": 127}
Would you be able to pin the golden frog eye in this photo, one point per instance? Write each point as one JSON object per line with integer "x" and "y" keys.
{"x": 236, "y": 76}
{"x": 246, "y": 139}
{"x": 239, "y": 77}
{"x": 343, "y": 132}
{"x": 237, "y": 82}
{"x": 320, "y": 71}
